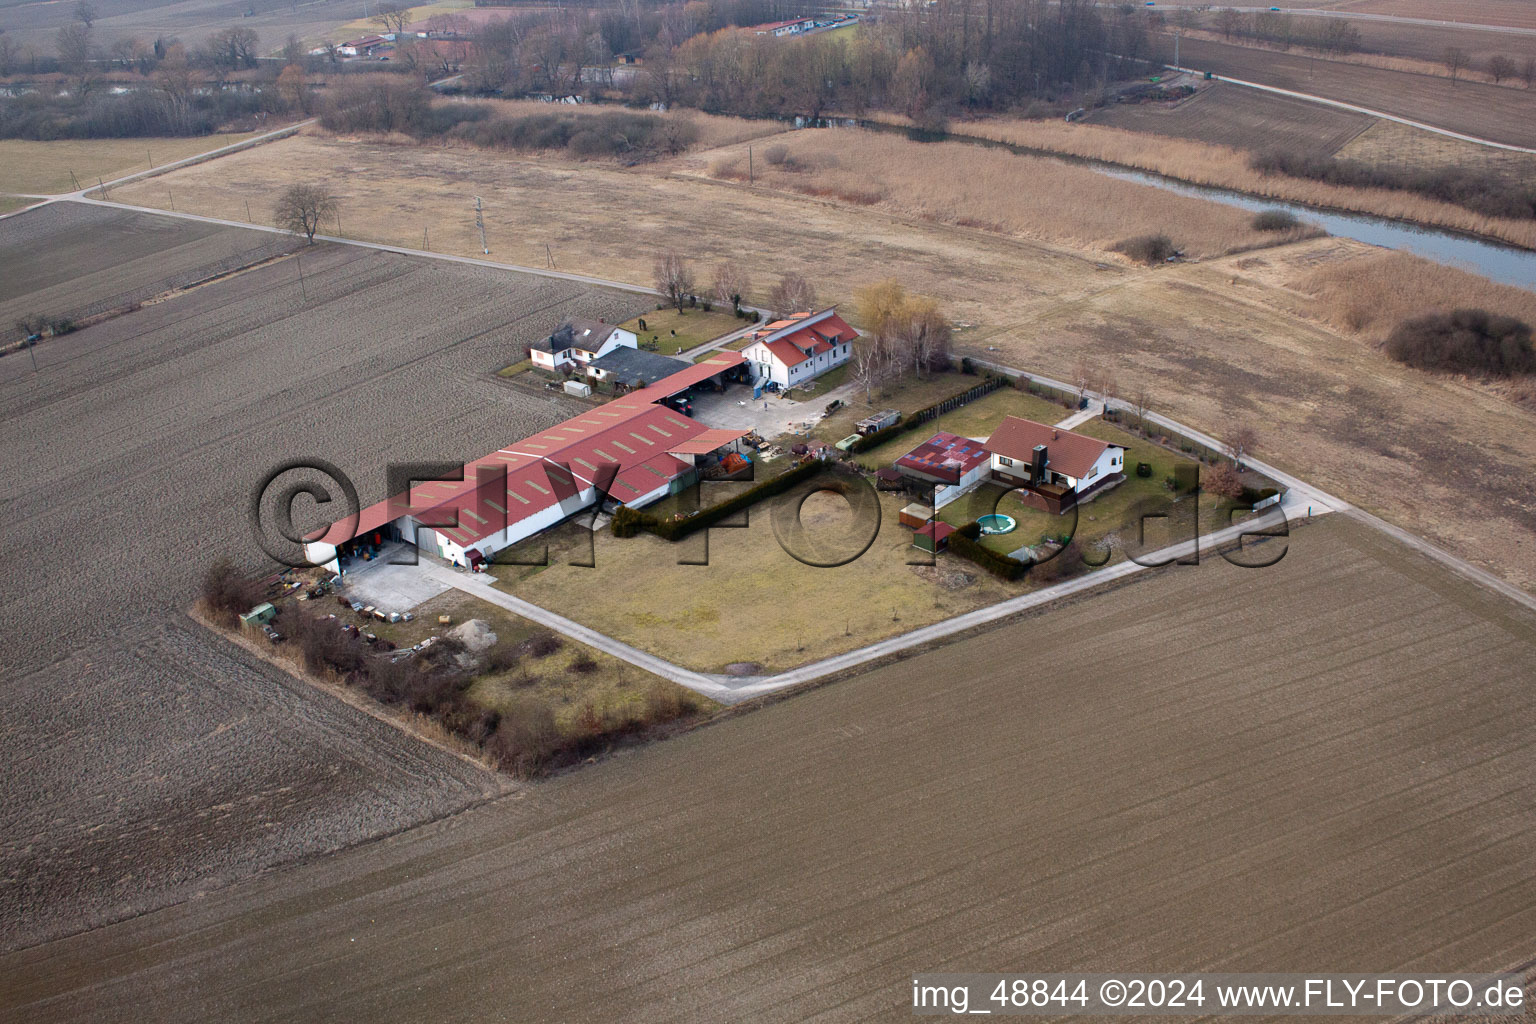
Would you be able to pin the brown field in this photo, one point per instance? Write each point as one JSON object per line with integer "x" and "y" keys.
{"x": 44, "y": 168}
{"x": 1324, "y": 762}
{"x": 1415, "y": 49}
{"x": 1389, "y": 144}
{"x": 1227, "y": 166}
{"x": 1230, "y": 115}
{"x": 145, "y": 759}
{"x": 1214, "y": 340}
{"x": 1513, "y": 13}
{"x": 1032, "y": 197}
{"x": 192, "y": 21}
{"x": 1489, "y": 112}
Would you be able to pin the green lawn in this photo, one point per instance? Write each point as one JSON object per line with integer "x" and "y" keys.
{"x": 515, "y": 368}
{"x": 694, "y": 327}
{"x": 10, "y": 203}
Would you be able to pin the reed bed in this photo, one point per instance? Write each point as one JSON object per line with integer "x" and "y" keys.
{"x": 970, "y": 186}
{"x": 1227, "y": 167}
{"x": 1372, "y": 294}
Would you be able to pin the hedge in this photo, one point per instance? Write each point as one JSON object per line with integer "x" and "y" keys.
{"x": 627, "y": 522}
{"x": 963, "y": 542}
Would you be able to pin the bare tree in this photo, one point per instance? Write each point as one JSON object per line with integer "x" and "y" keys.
{"x": 392, "y": 16}
{"x": 1455, "y": 60}
{"x": 674, "y": 278}
{"x": 1082, "y": 377}
{"x": 925, "y": 334}
{"x": 1241, "y": 438}
{"x": 793, "y": 294}
{"x": 1141, "y": 400}
{"x": 872, "y": 363}
{"x": 332, "y": 50}
{"x": 74, "y": 45}
{"x": 1500, "y": 68}
{"x": 9, "y": 54}
{"x": 301, "y": 208}
{"x": 85, "y": 13}
{"x": 1528, "y": 72}
{"x": 174, "y": 77}
{"x": 730, "y": 283}
{"x": 234, "y": 48}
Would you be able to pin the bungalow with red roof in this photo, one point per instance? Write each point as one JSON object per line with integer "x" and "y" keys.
{"x": 1054, "y": 468}
{"x": 787, "y": 353}
{"x": 948, "y": 464}
{"x": 779, "y": 29}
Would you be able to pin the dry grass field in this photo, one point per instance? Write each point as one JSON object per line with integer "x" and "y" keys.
{"x": 1324, "y": 762}
{"x": 1228, "y": 166}
{"x": 1214, "y": 340}
{"x": 1032, "y": 197}
{"x": 146, "y": 760}
{"x": 708, "y": 616}
{"x": 1229, "y": 115}
{"x": 44, "y": 168}
{"x": 1476, "y": 108}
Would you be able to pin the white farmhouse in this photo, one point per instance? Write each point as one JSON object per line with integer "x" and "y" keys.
{"x": 577, "y": 343}
{"x": 790, "y": 352}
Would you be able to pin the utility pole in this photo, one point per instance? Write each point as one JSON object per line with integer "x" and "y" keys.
{"x": 480, "y": 223}
{"x": 172, "y": 198}
{"x": 75, "y": 180}
{"x": 749, "y": 165}
{"x": 248, "y": 216}
{"x": 549, "y": 256}
{"x": 302, "y": 290}
{"x": 424, "y": 246}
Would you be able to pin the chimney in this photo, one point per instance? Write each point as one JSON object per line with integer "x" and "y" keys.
{"x": 1037, "y": 465}
{"x": 1053, "y": 433}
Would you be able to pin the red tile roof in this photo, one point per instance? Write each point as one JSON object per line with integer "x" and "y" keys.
{"x": 630, "y": 433}
{"x": 708, "y": 441}
{"x": 1065, "y": 452}
{"x": 804, "y": 335}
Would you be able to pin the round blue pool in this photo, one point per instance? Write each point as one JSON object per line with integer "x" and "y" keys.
{"x": 997, "y": 524}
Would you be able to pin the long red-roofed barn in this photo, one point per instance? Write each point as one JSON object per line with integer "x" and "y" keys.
{"x": 630, "y": 451}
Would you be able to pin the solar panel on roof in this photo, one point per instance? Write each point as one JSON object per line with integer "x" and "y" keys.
{"x": 497, "y": 507}
{"x": 538, "y": 488}
{"x": 519, "y": 497}
{"x": 589, "y": 465}
{"x": 473, "y": 516}
{"x": 643, "y": 440}
{"x": 621, "y": 446}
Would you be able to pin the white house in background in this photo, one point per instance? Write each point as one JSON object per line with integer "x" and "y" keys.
{"x": 577, "y": 343}
{"x": 1054, "y": 468}
{"x": 780, "y": 29}
{"x": 790, "y": 352}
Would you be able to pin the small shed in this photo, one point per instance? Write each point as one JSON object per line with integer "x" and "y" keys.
{"x": 915, "y": 516}
{"x": 579, "y": 389}
{"x": 889, "y": 479}
{"x": 879, "y": 421}
{"x": 933, "y": 537}
{"x": 258, "y": 616}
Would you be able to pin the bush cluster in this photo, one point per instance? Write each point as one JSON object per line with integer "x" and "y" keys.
{"x": 614, "y": 133}
{"x": 1480, "y": 191}
{"x": 1471, "y": 341}
{"x": 1148, "y": 249}
{"x": 228, "y": 593}
{"x": 1275, "y": 220}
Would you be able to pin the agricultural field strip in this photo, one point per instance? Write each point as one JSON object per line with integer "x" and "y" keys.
{"x": 1318, "y": 12}
{"x": 196, "y": 158}
{"x": 1341, "y": 105}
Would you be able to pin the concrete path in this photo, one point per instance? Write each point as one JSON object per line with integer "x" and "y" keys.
{"x": 1077, "y": 419}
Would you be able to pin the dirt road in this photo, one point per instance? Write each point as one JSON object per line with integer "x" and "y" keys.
{"x": 1325, "y": 762}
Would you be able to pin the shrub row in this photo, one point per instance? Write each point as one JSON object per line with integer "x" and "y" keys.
{"x": 1480, "y": 191}
{"x": 627, "y": 522}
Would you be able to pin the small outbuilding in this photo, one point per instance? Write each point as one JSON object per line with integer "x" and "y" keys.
{"x": 933, "y": 537}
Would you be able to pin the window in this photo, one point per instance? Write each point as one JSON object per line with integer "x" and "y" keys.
{"x": 1004, "y": 460}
